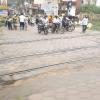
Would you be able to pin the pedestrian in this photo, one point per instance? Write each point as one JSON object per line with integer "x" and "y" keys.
{"x": 6, "y": 22}
{"x": 84, "y": 24}
{"x": 26, "y": 23}
{"x": 37, "y": 19}
{"x": 15, "y": 22}
{"x": 9, "y": 24}
{"x": 22, "y": 19}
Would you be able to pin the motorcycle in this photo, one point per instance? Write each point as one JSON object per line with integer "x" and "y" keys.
{"x": 42, "y": 27}
{"x": 69, "y": 26}
{"x": 55, "y": 28}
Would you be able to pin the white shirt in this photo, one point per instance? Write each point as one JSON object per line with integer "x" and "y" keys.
{"x": 22, "y": 18}
{"x": 55, "y": 21}
{"x": 45, "y": 21}
{"x": 85, "y": 21}
{"x": 59, "y": 21}
{"x": 67, "y": 18}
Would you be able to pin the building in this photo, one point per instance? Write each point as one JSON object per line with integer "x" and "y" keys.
{"x": 98, "y": 3}
{"x": 89, "y": 1}
{"x": 73, "y": 10}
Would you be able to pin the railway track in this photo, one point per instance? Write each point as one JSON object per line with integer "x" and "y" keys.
{"x": 32, "y": 70}
{"x": 2, "y": 82}
{"x": 46, "y": 39}
{"x": 39, "y": 54}
{"x": 66, "y": 50}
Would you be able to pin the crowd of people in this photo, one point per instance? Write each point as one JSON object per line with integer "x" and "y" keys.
{"x": 16, "y": 22}
{"x": 21, "y": 21}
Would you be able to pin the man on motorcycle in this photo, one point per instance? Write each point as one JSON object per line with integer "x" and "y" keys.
{"x": 50, "y": 18}
{"x": 43, "y": 25}
{"x": 56, "y": 23}
{"x": 45, "y": 20}
{"x": 67, "y": 24}
{"x": 65, "y": 21}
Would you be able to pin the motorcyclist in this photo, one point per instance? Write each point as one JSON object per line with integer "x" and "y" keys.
{"x": 43, "y": 25}
{"x": 50, "y": 18}
{"x": 45, "y": 20}
{"x": 56, "y": 23}
{"x": 65, "y": 21}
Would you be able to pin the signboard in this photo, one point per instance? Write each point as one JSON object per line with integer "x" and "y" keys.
{"x": 39, "y": 1}
{"x": 69, "y": 0}
{"x": 3, "y": 4}
{"x": 3, "y": 12}
{"x": 71, "y": 12}
{"x": 50, "y": 9}
{"x": 36, "y": 6}
{"x": 3, "y": 7}
{"x": 47, "y": 8}
{"x": 55, "y": 9}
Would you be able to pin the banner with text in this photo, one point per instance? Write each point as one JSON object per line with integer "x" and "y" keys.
{"x": 3, "y": 5}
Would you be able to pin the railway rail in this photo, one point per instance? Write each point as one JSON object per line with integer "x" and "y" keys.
{"x": 7, "y": 59}
{"x": 46, "y": 39}
{"x": 65, "y": 50}
{"x": 46, "y": 66}
{"x": 41, "y": 67}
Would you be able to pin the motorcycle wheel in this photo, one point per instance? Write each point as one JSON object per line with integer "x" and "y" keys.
{"x": 39, "y": 31}
{"x": 46, "y": 31}
{"x": 62, "y": 30}
{"x": 71, "y": 28}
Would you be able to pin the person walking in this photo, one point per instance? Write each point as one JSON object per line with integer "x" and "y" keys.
{"x": 22, "y": 19}
{"x": 26, "y": 23}
{"x": 15, "y": 22}
{"x": 9, "y": 23}
{"x": 84, "y": 24}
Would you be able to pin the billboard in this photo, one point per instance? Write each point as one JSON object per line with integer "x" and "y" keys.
{"x": 3, "y": 12}
{"x": 3, "y": 7}
{"x": 3, "y": 2}
{"x": 50, "y": 9}
{"x": 69, "y": 0}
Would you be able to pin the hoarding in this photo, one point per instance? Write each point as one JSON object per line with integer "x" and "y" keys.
{"x": 50, "y": 9}
{"x": 3, "y": 2}
{"x": 3, "y": 12}
{"x": 72, "y": 11}
{"x": 69, "y": 0}
{"x": 39, "y": 1}
{"x": 3, "y": 7}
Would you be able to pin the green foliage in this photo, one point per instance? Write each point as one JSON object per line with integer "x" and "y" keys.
{"x": 19, "y": 98}
{"x": 96, "y": 25}
{"x": 90, "y": 9}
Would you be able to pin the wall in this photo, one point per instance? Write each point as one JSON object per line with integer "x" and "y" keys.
{"x": 98, "y": 3}
{"x": 46, "y": 1}
{"x": 39, "y": 1}
{"x": 90, "y": 1}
